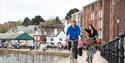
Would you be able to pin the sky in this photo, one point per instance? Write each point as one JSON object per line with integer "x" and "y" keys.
{"x": 14, "y": 10}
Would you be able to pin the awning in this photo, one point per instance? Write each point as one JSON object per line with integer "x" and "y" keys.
{"x": 15, "y": 36}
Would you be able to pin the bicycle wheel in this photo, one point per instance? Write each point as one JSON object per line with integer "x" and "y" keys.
{"x": 71, "y": 56}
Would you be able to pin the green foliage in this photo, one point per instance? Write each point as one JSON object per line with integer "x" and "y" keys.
{"x": 54, "y": 21}
{"x": 51, "y": 21}
{"x": 57, "y": 20}
{"x": 26, "y": 21}
{"x": 18, "y": 23}
{"x": 3, "y": 29}
{"x": 36, "y": 20}
{"x": 68, "y": 15}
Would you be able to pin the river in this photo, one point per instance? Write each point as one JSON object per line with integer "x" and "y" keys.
{"x": 16, "y": 57}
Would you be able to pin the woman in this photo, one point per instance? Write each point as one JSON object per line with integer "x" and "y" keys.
{"x": 91, "y": 31}
{"x": 92, "y": 34}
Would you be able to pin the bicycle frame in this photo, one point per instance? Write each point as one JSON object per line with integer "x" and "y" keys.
{"x": 72, "y": 52}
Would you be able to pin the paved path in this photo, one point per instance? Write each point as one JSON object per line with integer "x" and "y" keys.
{"x": 82, "y": 59}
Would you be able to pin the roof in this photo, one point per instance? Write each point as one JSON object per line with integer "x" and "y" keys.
{"x": 24, "y": 36}
{"x": 91, "y": 3}
{"x": 15, "y": 36}
{"x": 55, "y": 35}
{"x": 46, "y": 24}
{"x": 23, "y": 29}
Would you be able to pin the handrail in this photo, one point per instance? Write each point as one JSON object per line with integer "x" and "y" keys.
{"x": 113, "y": 51}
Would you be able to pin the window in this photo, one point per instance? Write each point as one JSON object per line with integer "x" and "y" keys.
{"x": 35, "y": 37}
{"x": 38, "y": 38}
{"x": 100, "y": 23}
{"x": 100, "y": 34}
{"x": 74, "y": 17}
{"x": 92, "y": 16}
{"x": 100, "y": 13}
{"x": 60, "y": 39}
{"x": 78, "y": 15}
{"x": 51, "y": 39}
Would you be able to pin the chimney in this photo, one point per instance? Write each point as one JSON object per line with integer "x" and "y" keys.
{"x": 55, "y": 31}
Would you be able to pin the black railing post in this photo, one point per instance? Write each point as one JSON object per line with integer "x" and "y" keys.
{"x": 113, "y": 51}
{"x": 116, "y": 50}
{"x": 109, "y": 53}
{"x": 121, "y": 48}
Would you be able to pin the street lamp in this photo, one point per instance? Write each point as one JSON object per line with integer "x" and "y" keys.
{"x": 117, "y": 21}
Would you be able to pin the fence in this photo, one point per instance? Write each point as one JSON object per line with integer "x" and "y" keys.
{"x": 114, "y": 51}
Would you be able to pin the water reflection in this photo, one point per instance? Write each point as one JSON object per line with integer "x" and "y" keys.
{"x": 16, "y": 57}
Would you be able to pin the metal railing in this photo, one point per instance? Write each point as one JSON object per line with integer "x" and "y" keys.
{"x": 114, "y": 51}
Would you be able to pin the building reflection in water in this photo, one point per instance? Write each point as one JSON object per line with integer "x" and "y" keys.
{"x": 16, "y": 57}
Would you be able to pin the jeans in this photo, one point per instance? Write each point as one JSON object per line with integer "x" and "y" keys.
{"x": 75, "y": 48}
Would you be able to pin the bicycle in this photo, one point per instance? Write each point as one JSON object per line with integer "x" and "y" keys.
{"x": 72, "y": 51}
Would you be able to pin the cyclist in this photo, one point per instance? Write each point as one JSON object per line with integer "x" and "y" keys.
{"x": 73, "y": 33}
{"x": 92, "y": 34}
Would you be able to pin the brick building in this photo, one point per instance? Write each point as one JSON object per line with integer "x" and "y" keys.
{"x": 103, "y": 14}
{"x": 10, "y": 24}
{"x": 117, "y": 9}
{"x": 39, "y": 39}
{"x": 93, "y": 14}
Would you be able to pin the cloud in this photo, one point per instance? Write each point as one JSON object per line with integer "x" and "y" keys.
{"x": 12, "y": 10}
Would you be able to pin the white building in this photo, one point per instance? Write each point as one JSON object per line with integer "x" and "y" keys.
{"x": 79, "y": 20}
{"x": 78, "y": 17}
{"x": 56, "y": 38}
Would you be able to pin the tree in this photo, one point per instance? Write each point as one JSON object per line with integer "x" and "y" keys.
{"x": 51, "y": 21}
{"x": 26, "y": 21}
{"x": 54, "y": 21}
{"x": 36, "y": 20}
{"x": 3, "y": 29}
{"x": 18, "y": 23}
{"x": 68, "y": 15}
{"x": 57, "y": 20}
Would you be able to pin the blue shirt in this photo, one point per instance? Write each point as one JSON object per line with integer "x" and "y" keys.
{"x": 73, "y": 32}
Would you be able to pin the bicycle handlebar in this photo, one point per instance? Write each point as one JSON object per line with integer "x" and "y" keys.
{"x": 72, "y": 40}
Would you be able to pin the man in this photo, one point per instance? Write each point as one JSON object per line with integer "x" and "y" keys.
{"x": 73, "y": 33}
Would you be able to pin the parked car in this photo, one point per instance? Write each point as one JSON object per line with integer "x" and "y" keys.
{"x": 43, "y": 47}
{"x": 51, "y": 45}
